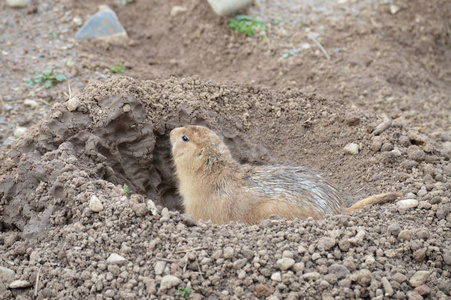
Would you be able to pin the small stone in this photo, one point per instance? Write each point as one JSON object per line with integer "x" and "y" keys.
{"x": 405, "y": 235}
{"x": 228, "y": 252}
{"x": 404, "y": 141}
{"x": 30, "y": 103}
{"x": 285, "y": 263}
{"x": 419, "y": 278}
{"x": 176, "y": 10}
{"x": 351, "y": 148}
{"x": 20, "y": 131}
{"x": 394, "y": 229}
{"x": 423, "y": 290}
{"x": 339, "y": 270}
{"x": 276, "y": 276}
{"x": 387, "y": 286}
{"x": 420, "y": 254}
{"x": 6, "y": 277}
{"x": 72, "y": 103}
{"x": 447, "y": 257}
{"x": 95, "y": 205}
{"x": 407, "y": 204}
{"x": 415, "y": 153}
{"x": 376, "y": 144}
{"x": 115, "y": 258}
{"x": 159, "y": 267}
{"x": 387, "y": 147}
{"x": 326, "y": 243}
{"x": 18, "y": 3}
{"x": 424, "y": 205}
{"x": 394, "y": 9}
{"x": 262, "y": 290}
{"x": 140, "y": 209}
{"x": 238, "y": 264}
{"x": 413, "y": 295}
{"x": 169, "y": 281}
{"x": 358, "y": 239}
{"x": 352, "y": 120}
{"x": 363, "y": 277}
{"x": 316, "y": 256}
{"x": 287, "y": 254}
{"x": 311, "y": 276}
{"x": 77, "y": 21}
{"x": 20, "y": 284}
{"x": 422, "y": 234}
{"x": 165, "y": 215}
{"x": 400, "y": 278}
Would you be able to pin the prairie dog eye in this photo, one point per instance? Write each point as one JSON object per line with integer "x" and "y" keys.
{"x": 185, "y": 138}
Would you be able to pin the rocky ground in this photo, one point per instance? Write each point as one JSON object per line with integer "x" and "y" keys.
{"x": 69, "y": 231}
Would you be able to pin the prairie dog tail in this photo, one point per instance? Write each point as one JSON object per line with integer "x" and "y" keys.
{"x": 375, "y": 199}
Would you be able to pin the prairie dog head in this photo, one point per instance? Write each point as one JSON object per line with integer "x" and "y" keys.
{"x": 197, "y": 148}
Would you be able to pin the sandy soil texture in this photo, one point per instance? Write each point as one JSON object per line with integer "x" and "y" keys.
{"x": 371, "y": 73}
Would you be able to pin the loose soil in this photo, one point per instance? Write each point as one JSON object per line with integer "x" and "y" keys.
{"x": 110, "y": 130}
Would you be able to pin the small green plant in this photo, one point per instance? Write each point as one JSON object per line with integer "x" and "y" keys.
{"x": 183, "y": 292}
{"x": 47, "y": 78}
{"x": 126, "y": 190}
{"x": 53, "y": 34}
{"x": 118, "y": 68}
{"x": 247, "y": 25}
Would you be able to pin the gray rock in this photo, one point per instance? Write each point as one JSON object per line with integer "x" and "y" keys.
{"x": 387, "y": 286}
{"x": 285, "y": 263}
{"x": 339, "y": 270}
{"x": 447, "y": 257}
{"x": 6, "y": 277}
{"x": 394, "y": 229}
{"x": 159, "y": 267}
{"x": 276, "y": 276}
{"x": 103, "y": 25}
{"x": 228, "y": 7}
{"x": 228, "y": 252}
{"x": 326, "y": 243}
{"x": 419, "y": 278}
{"x": 238, "y": 264}
{"x": 351, "y": 148}
{"x": 169, "y": 281}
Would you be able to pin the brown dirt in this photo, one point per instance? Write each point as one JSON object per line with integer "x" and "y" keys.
{"x": 303, "y": 109}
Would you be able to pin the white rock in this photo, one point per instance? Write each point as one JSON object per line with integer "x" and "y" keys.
{"x": 394, "y": 9}
{"x": 159, "y": 267}
{"x": 30, "y": 103}
{"x": 151, "y": 207}
{"x": 19, "y": 284}
{"x": 18, "y": 3}
{"x": 72, "y": 103}
{"x": 20, "y": 131}
{"x": 94, "y": 204}
{"x": 351, "y": 148}
{"x": 77, "y": 21}
{"x": 115, "y": 258}
{"x": 276, "y": 276}
{"x": 285, "y": 263}
{"x": 407, "y": 204}
{"x": 178, "y": 10}
{"x": 169, "y": 281}
{"x": 228, "y": 7}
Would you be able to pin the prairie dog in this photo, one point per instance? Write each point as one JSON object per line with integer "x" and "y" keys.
{"x": 215, "y": 187}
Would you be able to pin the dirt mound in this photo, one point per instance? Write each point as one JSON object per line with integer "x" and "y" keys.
{"x": 116, "y": 132}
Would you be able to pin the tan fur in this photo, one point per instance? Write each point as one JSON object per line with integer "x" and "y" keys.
{"x": 215, "y": 187}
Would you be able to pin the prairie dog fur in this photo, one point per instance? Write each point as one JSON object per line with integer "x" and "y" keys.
{"x": 215, "y": 187}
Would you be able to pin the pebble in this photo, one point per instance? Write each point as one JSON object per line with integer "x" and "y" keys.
{"x": 140, "y": 209}
{"x": 18, "y": 3}
{"x": 415, "y": 153}
{"x": 77, "y": 21}
{"x": 387, "y": 286}
{"x": 20, "y": 131}
{"x": 358, "y": 239}
{"x": 103, "y": 25}
{"x": 363, "y": 277}
{"x": 339, "y": 270}
{"x": 420, "y": 254}
{"x": 19, "y": 284}
{"x": 262, "y": 290}
{"x": 394, "y": 229}
{"x": 72, "y": 104}
{"x": 238, "y": 264}
{"x": 423, "y": 290}
{"x": 169, "y": 281}
{"x": 228, "y": 252}
{"x": 311, "y": 276}
{"x": 176, "y": 10}
{"x": 399, "y": 277}
{"x": 376, "y": 144}
{"x": 422, "y": 234}
{"x": 285, "y": 263}
{"x": 447, "y": 257}
{"x": 188, "y": 220}
{"x": 351, "y": 148}
{"x": 115, "y": 258}
{"x": 30, "y": 103}
{"x": 424, "y": 205}
{"x": 276, "y": 276}
{"x": 6, "y": 277}
{"x": 419, "y": 278}
{"x": 326, "y": 243}
{"x": 159, "y": 267}
{"x": 95, "y": 205}
{"x": 407, "y": 204}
